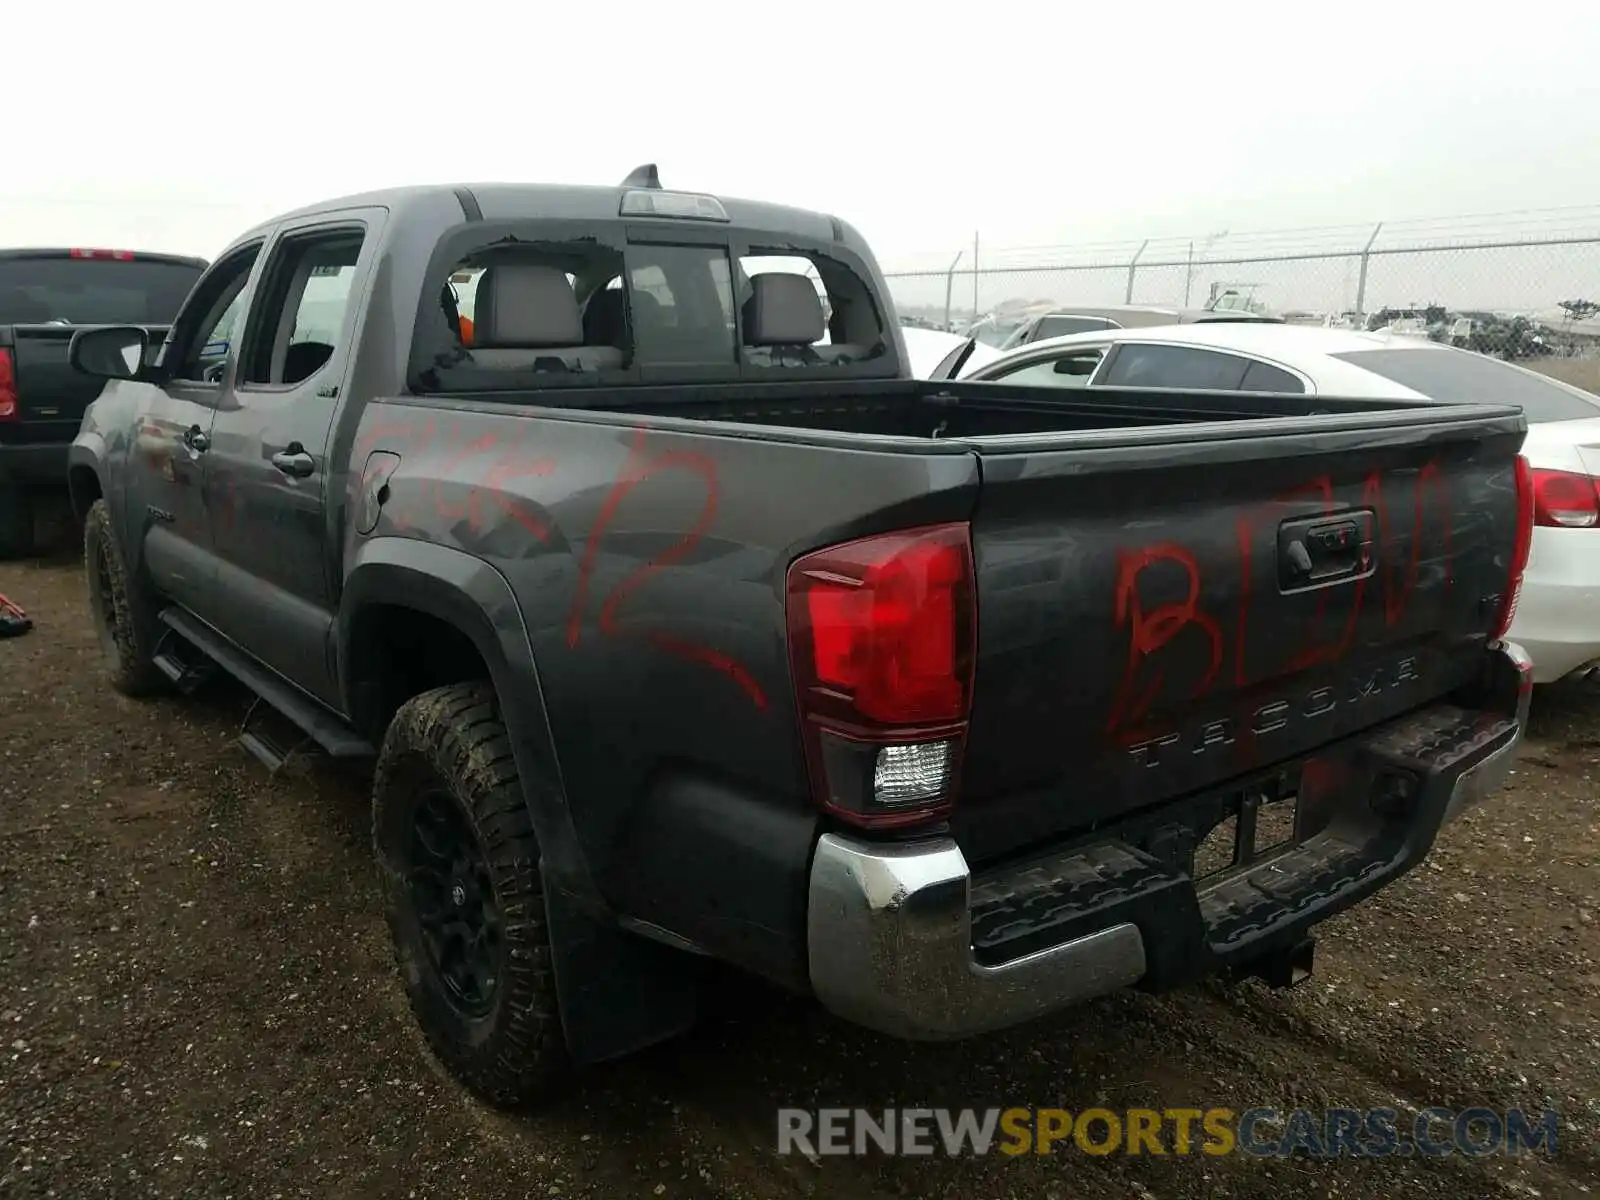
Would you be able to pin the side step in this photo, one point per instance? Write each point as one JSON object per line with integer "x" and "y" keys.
{"x": 179, "y": 662}
{"x": 270, "y": 737}
{"x": 309, "y": 718}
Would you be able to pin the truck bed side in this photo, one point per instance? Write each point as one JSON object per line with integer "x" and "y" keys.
{"x": 649, "y": 566}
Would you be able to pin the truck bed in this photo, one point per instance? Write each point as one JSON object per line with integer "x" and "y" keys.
{"x": 1138, "y": 636}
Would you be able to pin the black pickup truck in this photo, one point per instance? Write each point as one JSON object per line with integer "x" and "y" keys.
{"x": 45, "y": 297}
{"x": 683, "y": 623}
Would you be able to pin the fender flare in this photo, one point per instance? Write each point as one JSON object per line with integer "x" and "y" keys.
{"x": 472, "y": 596}
{"x": 617, "y": 992}
{"x": 87, "y": 451}
{"x": 91, "y": 450}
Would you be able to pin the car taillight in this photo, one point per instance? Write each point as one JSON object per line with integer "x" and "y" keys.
{"x": 1565, "y": 499}
{"x": 9, "y": 408}
{"x": 882, "y": 638}
{"x": 1519, "y": 549}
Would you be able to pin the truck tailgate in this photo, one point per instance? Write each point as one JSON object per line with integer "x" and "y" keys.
{"x": 1162, "y": 610}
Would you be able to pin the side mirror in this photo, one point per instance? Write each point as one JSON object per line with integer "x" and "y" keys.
{"x": 1076, "y": 365}
{"x": 116, "y": 352}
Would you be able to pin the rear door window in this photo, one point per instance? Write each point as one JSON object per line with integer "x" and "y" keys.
{"x": 1459, "y": 376}
{"x": 93, "y": 291}
{"x": 306, "y": 289}
{"x": 1153, "y": 365}
{"x": 1264, "y": 377}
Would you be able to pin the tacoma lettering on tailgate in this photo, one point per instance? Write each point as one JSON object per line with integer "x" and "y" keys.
{"x": 1275, "y": 715}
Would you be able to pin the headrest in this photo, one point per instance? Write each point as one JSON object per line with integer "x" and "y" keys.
{"x": 783, "y": 310}
{"x": 519, "y": 304}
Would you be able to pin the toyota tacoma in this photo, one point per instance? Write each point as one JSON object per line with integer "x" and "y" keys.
{"x": 679, "y": 622}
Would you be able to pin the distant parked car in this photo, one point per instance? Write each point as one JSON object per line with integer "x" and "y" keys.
{"x": 1558, "y": 615}
{"x": 1063, "y": 321}
{"x": 928, "y": 348}
{"x": 46, "y": 296}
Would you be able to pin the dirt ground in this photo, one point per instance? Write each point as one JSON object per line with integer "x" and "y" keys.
{"x": 196, "y": 1000}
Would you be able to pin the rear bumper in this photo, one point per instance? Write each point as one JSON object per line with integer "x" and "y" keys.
{"x": 890, "y": 942}
{"x": 902, "y": 938}
{"x": 1558, "y": 613}
{"x": 31, "y": 465}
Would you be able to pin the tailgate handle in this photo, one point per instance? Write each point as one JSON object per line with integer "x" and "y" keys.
{"x": 1322, "y": 551}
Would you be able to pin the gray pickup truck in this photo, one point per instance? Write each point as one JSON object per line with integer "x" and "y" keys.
{"x": 680, "y": 622}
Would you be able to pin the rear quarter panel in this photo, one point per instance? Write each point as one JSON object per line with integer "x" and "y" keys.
{"x": 649, "y": 565}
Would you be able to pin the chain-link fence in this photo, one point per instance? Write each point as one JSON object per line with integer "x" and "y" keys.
{"x": 1522, "y": 293}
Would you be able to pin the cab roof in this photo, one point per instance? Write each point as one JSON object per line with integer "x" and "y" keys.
{"x": 514, "y": 201}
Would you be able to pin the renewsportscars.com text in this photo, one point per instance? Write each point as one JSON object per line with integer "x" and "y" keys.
{"x": 1260, "y": 1132}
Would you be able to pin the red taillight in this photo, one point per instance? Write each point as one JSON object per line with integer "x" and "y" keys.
{"x": 1519, "y": 549}
{"x": 1565, "y": 499}
{"x": 9, "y": 408}
{"x": 882, "y": 635}
{"x": 118, "y": 255}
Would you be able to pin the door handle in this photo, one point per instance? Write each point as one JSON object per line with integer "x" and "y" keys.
{"x": 195, "y": 438}
{"x": 294, "y": 462}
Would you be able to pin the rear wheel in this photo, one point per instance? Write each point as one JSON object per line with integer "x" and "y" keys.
{"x": 122, "y": 607}
{"x": 465, "y": 905}
{"x": 16, "y": 523}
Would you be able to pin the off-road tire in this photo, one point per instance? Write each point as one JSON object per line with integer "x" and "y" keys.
{"x": 16, "y": 523}
{"x": 122, "y": 608}
{"x": 455, "y": 737}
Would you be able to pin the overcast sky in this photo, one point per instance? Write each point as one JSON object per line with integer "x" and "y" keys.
{"x": 174, "y": 125}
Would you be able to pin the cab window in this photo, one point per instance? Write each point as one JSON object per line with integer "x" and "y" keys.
{"x": 804, "y": 310}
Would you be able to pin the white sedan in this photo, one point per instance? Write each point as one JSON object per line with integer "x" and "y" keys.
{"x": 928, "y": 348}
{"x": 1558, "y": 616}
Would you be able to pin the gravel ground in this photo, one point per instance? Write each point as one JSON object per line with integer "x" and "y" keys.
{"x": 196, "y": 1000}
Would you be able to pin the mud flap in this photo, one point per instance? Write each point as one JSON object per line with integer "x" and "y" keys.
{"x": 618, "y": 992}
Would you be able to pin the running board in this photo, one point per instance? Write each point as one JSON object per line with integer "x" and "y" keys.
{"x": 188, "y": 670}
{"x": 271, "y": 737}
{"x": 335, "y": 738}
